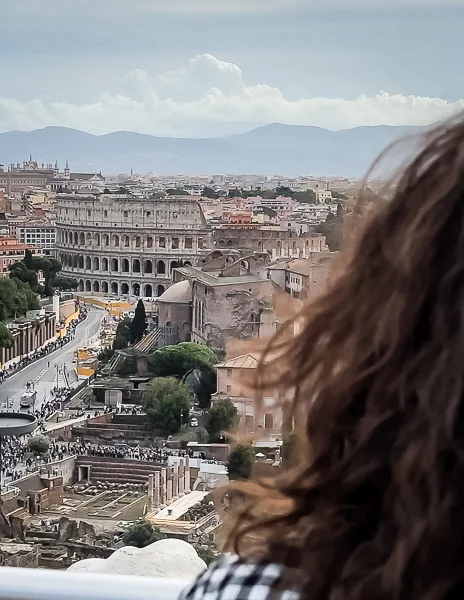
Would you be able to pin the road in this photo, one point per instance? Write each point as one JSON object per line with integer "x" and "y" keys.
{"x": 43, "y": 372}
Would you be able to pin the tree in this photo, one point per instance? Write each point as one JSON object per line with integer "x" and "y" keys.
{"x": 21, "y": 272}
{"x": 241, "y": 461}
{"x": 27, "y": 260}
{"x": 166, "y": 402}
{"x": 178, "y": 360}
{"x": 142, "y": 535}
{"x": 339, "y": 196}
{"x": 306, "y": 197}
{"x": 207, "y": 386}
{"x": 38, "y": 444}
{"x": 284, "y": 191}
{"x": 332, "y": 229}
{"x": 6, "y": 339}
{"x": 122, "y": 337}
{"x": 222, "y": 417}
{"x": 138, "y": 325}
{"x": 16, "y": 298}
{"x": 209, "y": 193}
{"x": 63, "y": 283}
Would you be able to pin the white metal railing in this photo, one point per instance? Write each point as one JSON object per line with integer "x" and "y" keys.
{"x": 32, "y": 584}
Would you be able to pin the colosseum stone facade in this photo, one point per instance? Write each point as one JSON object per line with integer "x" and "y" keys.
{"x": 124, "y": 245}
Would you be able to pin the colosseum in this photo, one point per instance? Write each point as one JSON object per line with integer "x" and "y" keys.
{"x": 123, "y": 245}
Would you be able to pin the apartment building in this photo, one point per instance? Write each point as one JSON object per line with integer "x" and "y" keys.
{"x": 12, "y": 251}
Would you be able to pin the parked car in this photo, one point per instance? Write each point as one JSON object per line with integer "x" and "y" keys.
{"x": 194, "y": 422}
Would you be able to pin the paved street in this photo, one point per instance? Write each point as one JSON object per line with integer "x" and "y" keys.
{"x": 44, "y": 376}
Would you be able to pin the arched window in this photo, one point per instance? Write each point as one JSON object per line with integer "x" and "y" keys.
{"x": 88, "y": 262}
{"x": 126, "y": 241}
{"x": 75, "y": 261}
{"x": 81, "y": 262}
{"x": 106, "y": 240}
{"x": 149, "y": 241}
{"x": 97, "y": 239}
{"x": 96, "y": 286}
{"x": 136, "y": 289}
{"x": 116, "y": 241}
{"x": 81, "y": 285}
{"x": 114, "y": 264}
{"x": 124, "y": 289}
{"x": 96, "y": 264}
{"x": 75, "y": 240}
{"x": 88, "y": 286}
{"x": 104, "y": 287}
{"x": 187, "y": 263}
{"x": 148, "y": 291}
{"x": 125, "y": 265}
{"x": 88, "y": 239}
{"x": 82, "y": 239}
{"x": 137, "y": 241}
{"x": 136, "y": 266}
{"x": 160, "y": 290}
{"x": 161, "y": 267}
{"x": 114, "y": 288}
{"x": 104, "y": 264}
{"x": 148, "y": 266}
{"x": 174, "y": 265}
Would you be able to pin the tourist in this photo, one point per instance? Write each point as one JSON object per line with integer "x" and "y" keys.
{"x": 370, "y": 507}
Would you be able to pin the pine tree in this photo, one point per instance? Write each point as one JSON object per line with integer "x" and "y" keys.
{"x": 138, "y": 325}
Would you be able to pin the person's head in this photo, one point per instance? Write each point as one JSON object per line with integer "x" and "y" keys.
{"x": 373, "y": 505}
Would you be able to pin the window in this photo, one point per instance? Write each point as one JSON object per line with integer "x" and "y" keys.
{"x": 105, "y": 213}
{"x": 148, "y": 213}
{"x": 149, "y": 242}
{"x": 162, "y": 242}
{"x": 229, "y": 372}
{"x": 126, "y": 214}
{"x": 229, "y": 389}
{"x": 188, "y": 243}
{"x": 89, "y": 212}
{"x": 175, "y": 243}
{"x": 137, "y": 241}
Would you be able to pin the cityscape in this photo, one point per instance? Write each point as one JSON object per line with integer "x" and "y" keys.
{"x": 160, "y": 222}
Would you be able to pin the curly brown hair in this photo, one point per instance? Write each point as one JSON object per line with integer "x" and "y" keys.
{"x": 372, "y": 508}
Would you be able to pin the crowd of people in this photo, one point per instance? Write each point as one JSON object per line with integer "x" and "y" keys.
{"x": 48, "y": 348}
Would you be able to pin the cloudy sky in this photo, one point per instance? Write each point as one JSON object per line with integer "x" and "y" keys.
{"x": 211, "y": 67}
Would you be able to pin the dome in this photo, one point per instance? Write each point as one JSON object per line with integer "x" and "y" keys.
{"x": 178, "y": 293}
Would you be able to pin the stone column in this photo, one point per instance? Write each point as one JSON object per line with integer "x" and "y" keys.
{"x": 156, "y": 499}
{"x": 175, "y": 481}
{"x": 187, "y": 474}
{"x": 169, "y": 485}
{"x": 164, "y": 487}
{"x": 181, "y": 477}
{"x": 150, "y": 494}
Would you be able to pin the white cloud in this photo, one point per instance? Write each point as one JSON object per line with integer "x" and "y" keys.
{"x": 196, "y": 98}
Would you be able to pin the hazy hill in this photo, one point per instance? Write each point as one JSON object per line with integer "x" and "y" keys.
{"x": 271, "y": 149}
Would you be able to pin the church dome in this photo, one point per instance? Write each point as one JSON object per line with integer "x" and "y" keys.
{"x": 178, "y": 293}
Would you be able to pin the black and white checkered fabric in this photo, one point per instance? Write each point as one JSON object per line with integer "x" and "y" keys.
{"x": 231, "y": 579}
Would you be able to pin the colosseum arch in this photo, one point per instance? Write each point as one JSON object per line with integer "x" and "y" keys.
{"x": 149, "y": 241}
{"x": 88, "y": 239}
{"x": 148, "y": 266}
{"x": 104, "y": 287}
{"x": 187, "y": 263}
{"x": 104, "y": 264}
{"x": 81, "y": 239}
{"x": 88, "y": 263}
{"x": 114, "y": 288}
{"x": 161, "y": 267}
{"x": 75, "y": 261}
{"x": 96, "y": 239}
{"x": 105, "y": 239}
{"x": 75, "y": 238}
{"x": 221, "y": 243}
{"x": 124, "y": 288}
{"x": 88, "y": 285}
{"x": 81, "y": 261}
{"x": 126, "y": 241}
{"x": 174, "y": 265}
{"x": 81, "y": 285}
{"x": 115, "y": 241}
{"x": 114, "y": 264}
{"x": 96, "y": 286}
{"x": 125, "y": 265}
{"x": 160, "y": 289}
{"x": 136, "y": 289}
{"x": 96, "y": 263}
{"x": 136, "y": 265}
{"x": 138, "y": 241}
{"x": 148, "y": 291}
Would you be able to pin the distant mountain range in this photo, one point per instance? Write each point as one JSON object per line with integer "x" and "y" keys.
{"x": 274, "y": 149}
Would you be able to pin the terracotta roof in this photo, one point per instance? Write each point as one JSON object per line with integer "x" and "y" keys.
{"x": 244, "y": 361}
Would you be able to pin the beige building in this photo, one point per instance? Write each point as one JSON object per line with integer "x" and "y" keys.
{"x": 304, "y": 279}
{"x": 230, "y": 377}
